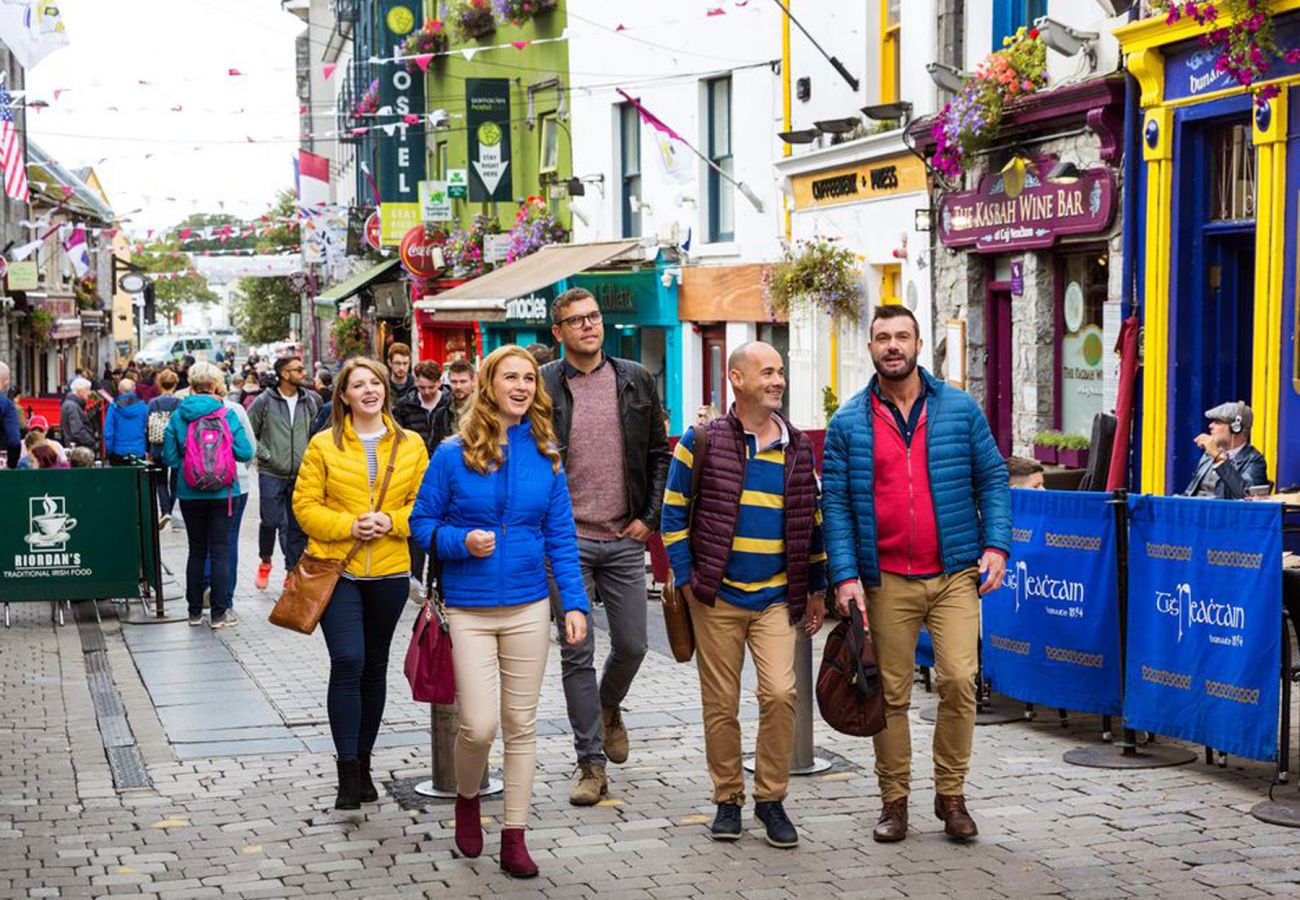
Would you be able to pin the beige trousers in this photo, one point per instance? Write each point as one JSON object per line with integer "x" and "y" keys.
{"x": 501, "y": 646}
{"x": 721, "y": 633}
{"x": 949, "y": 606}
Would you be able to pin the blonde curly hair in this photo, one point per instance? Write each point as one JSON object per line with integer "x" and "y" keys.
{"x": 481, "y": 431}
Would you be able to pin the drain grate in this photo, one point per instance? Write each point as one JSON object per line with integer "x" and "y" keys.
{"x": 124, "y": 759}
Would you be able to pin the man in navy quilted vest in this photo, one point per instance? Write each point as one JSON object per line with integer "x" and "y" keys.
{"x": 747, "y": 554}
{"x": 918, "y": 527}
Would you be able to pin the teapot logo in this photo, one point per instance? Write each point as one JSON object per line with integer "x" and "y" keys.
{"x": 48, "y": 523}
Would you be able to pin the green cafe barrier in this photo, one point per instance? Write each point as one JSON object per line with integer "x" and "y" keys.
{"x": 79, "y": 534}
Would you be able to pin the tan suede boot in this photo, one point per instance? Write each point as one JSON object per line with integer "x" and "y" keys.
{"x": 592, "y": 785}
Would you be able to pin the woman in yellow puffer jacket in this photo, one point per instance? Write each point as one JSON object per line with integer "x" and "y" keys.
{"x": 335, "y": 501}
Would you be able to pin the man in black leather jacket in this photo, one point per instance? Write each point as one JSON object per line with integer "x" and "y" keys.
{"x": 1231, "y": 465}
{"x": 606, "y": 411}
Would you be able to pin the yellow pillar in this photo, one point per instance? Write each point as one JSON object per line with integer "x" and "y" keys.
{"x": 1158, "y": 157}
{"x": 1270, "y": 236}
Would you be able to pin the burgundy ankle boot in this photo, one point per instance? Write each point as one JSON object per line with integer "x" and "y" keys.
{"x": 515, "y": 860}
{"x": 469, "y": 827}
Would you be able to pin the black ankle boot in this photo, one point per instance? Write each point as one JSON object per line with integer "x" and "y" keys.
{"x": 349, "y": 785}
{"x": 369, "y": 793}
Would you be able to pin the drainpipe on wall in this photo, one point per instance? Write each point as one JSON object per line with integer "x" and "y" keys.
{"x": 1132, "y": 228}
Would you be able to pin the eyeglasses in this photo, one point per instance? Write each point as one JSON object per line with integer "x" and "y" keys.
{"x": 578, "y": 321}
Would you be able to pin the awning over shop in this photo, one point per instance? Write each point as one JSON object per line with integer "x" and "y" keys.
{"x": 484, "y": 299}
{"x": 345, "y": 289}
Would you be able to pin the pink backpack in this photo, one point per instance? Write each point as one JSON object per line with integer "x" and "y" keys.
{"x": 209, "y": 453}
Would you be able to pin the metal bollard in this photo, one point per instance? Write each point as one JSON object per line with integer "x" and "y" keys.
{"x": 443, "y": 726}
{"x": 803, "y": 759}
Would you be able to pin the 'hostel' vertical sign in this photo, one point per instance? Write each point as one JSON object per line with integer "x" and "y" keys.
{"x": 401, "y": 145}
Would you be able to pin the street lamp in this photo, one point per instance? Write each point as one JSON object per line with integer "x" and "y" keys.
{"x": 889, "y": 112}
{"x": 1115, "y": 8}
{"x": 837, "y": 126}
{"x": 1064, "y": 173}
{"x": 799, "y": 136}
{"x": 949, "y": 78}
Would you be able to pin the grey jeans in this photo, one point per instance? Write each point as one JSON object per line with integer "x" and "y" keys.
{"x": 614, "y": 570}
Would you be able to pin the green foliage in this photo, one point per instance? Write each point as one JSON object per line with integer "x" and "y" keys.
{"x": 1075, "y": 442}
{"x": 40, "y": 322}
{"x": 170, "y": 293}
{"x": 830, "y": 402}
{"x": 348, "y": 338}
{"x": 1049, "y": 438}
{"x": 263, "y": 305}
{"x": 820, "y": 273}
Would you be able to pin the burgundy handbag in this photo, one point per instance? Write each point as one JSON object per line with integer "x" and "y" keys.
{"x": 849, "y": 694}
{"x": 429, "y": 667}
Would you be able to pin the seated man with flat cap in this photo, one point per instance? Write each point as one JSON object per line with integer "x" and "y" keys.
{"x": 1230, "y": 465}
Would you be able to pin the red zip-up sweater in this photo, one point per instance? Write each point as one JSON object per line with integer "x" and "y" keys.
{"x": 907, "y": 534}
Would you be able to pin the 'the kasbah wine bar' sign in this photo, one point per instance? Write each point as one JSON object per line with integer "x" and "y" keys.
{"x": 990, "y": 220}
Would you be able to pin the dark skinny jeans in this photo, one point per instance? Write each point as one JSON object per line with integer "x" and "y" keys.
{"x": 207, "y": 527}
{"x": 358, "y": 626}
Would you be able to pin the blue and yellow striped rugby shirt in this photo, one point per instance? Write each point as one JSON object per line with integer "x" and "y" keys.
{"x": 755, "y": 577}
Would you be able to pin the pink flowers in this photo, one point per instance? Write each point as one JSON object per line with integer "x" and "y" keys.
{"x": 1247, "y": 45}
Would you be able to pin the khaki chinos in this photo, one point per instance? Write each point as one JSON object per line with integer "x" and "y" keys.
{"x": 949, "y": 606}
{"x": 722, "y": 632}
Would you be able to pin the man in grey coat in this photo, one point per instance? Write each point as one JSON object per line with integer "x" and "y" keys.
{"x": 74, "y": 421}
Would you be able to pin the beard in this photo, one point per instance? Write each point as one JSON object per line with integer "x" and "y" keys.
{"x": 902, "y": 374}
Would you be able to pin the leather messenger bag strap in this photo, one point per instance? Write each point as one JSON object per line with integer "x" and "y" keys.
{"x": 383, "y": 491}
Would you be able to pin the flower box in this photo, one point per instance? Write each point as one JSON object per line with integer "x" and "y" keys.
{"x": 1073, "y": 458}
{"x": 473, "y": 19}
{"x": 1045, "y": 454}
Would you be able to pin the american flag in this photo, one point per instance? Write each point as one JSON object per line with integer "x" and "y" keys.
{"x": 11, "y": 150}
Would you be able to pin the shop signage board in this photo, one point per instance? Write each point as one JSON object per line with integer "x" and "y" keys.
{"x": 487, "y": 123}
{"x": 869, "y": 180}
{"x": 495, "y": 247}
{"x": 22, "y": 276}
{"x": 987, "y": 219}
{"x": 533, "y": 309}
{"x": 401, "y": 145}
{"x": 435, "y": 202}
{"x": 622, "y": 297}
{"x": 1190, "y": 70}
{"x": 372, "y": 230}
{"x": 1017, "y": 278}
{"x": 60, "y": 545}
{"x": 420, "y": 255}
{"x": 458, "y": 184}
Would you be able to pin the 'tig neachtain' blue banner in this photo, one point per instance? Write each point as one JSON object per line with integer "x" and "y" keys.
{"x": 1051, "y": 632}
{"x": 1205, "y": 622}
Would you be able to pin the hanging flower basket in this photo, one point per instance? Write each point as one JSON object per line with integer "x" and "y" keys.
{"x": 1247, "y": 44}
{"x": 348, "y": 338}
{"x": 472, "y": 19}
{"x": 86, "y": 293}
{"x": 40, "y": 323}
{"x": 463, "y": 249}
{"x": 369, "y": 102}
{"x": 430, "y": 39}
{"x": 535, "y": 227}
{"x": 517, "y": 12}
{"x": 819, "y": 273}
{"x": 968, "y": 122}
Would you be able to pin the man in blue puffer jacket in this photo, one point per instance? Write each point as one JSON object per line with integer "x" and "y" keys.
{"x": 917, "y": 510}
{"x": 126, "y": 425}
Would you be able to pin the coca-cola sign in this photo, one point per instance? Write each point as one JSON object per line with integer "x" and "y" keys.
{"x": 420, "y": 255}
{"x": 989, "y": 219}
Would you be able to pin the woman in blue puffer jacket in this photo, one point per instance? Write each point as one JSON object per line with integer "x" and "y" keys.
{"x": 494, "y": 507}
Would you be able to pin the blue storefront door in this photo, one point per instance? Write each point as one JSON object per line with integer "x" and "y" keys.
{"x": 1212, "y": 288}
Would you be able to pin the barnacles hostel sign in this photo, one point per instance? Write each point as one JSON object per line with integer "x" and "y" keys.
{"x": 401, "y": 145}
{"x": 988, "y": 219}
{"x": 487, "y": 121}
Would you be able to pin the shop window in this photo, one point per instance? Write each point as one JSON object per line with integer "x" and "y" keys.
{"x": 630, "y": 149}
{"x": 890, "y": 59}
{"x": 1010, "y": 15}
{"x": 1081, "y": 354}
{"x": 891, "y": 279}
{"x": 722, "y": 208}
{"x": 548, "y": 151}
{"x": 1232, "y": 182}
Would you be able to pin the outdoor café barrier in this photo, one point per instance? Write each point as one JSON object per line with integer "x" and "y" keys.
{"x": 79, "y": 534}
{"x": 1166, "y": 610}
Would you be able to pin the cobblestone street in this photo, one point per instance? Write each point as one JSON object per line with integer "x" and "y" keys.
{"x": 228, "y": 730}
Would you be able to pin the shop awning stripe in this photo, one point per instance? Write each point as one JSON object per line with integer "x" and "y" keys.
{"x": 345, "y": 289}
{"x": 541, "y": 269}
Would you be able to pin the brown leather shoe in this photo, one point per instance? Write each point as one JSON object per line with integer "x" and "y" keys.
{"x": 957, "y": 823}
{"x": 892, "y": 826}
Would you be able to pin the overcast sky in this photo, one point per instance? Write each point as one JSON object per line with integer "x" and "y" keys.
{"x": 144, "y": 152}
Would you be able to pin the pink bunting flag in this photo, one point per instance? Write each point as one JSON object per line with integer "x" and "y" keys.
{"x": 621, "y": 28}
{"x": 519, "y": 45}
{"x": 423, "y": 61}
{"x": 67, "y": 190}
{"x": 185, "y": 233}
{"x": 234, "y": 72}
{"x": 328, "y": 70}
{"x": 716, "y": 11}
{"x": 411, "y": 119}
{"x": 176, "y": 108}
{"x": 58, "y": 91}
{"x": 360, "y": 130}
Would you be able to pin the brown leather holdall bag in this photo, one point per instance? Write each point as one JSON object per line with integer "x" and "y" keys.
{"x": 677, "y": 615}
{"x": 849, "y": 694}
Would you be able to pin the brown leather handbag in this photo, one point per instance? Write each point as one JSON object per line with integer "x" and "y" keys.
{"x": 311, "y": 583}
{"x": 677, "y": 615}
{"x": 849, "y": 694}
